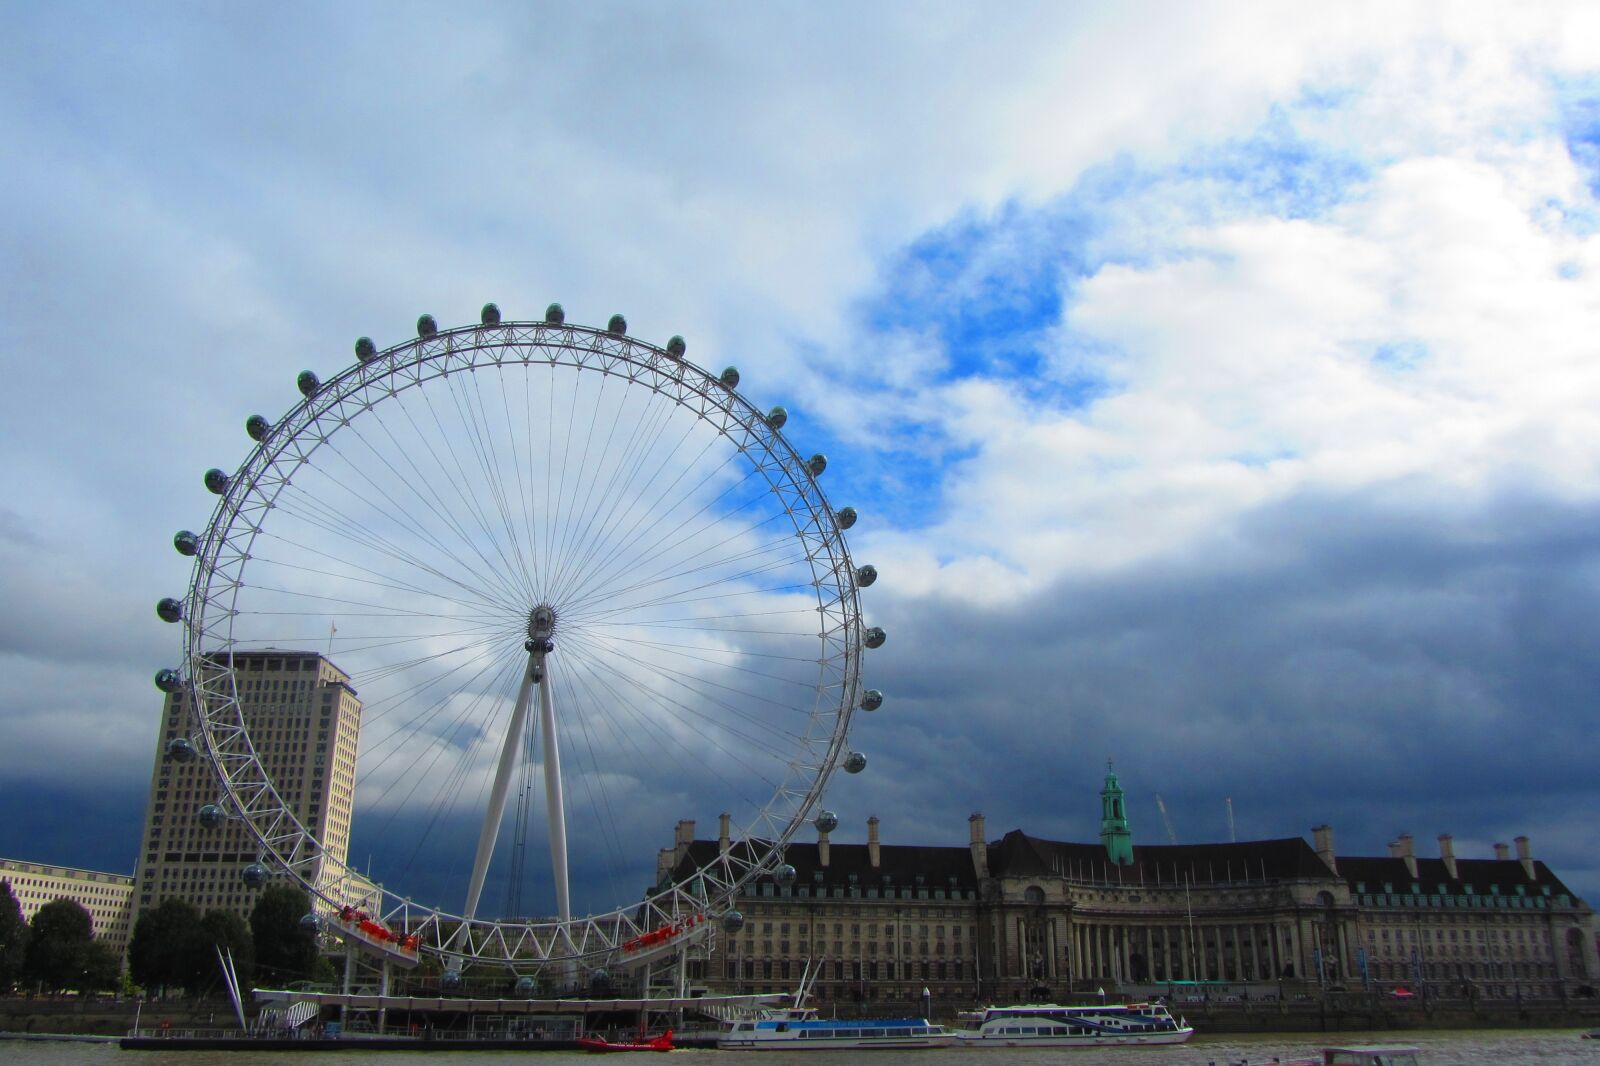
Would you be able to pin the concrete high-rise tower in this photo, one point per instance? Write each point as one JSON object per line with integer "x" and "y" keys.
{"x": 303, "y": 718}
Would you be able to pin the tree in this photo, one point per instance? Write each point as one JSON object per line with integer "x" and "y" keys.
{"x": 13, "y": 938}
{"x": 285, "y": 950}
{"x": 58, "y": 945}
{"x": 102, "y": 968}
{"x": 164, "y": 946}
{"x": 228, "y": 931}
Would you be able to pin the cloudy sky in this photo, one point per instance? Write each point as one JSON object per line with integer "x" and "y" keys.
{"x": 1218, "y": 385}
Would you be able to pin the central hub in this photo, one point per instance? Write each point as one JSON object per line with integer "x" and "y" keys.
{"x": 541, "y": 622}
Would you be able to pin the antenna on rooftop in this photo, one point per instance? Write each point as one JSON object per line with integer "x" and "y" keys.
{"x": 1172, "y": 838}
{"x": 1233, "y": 838}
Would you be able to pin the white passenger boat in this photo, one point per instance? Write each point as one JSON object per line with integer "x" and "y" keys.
{"x": 1053, "y": 1025}
{"x": 799, "y": 1029}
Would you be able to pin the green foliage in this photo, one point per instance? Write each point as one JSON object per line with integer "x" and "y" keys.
{"x": 228, "y": 931}
{"x": 57, "y": 955}
{"x": 13, "y": 938}
{"x": 324, "y": 973}
{"x": 285, "y": 951}
{"x": 162, "y": 951}
{"x": 102, "y": 968}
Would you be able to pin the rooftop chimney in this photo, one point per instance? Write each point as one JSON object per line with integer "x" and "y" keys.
{"x": 1502, "y": 851}
{"x": 822, "y": 847}
{"x": 723, "y": 843}
{"x": 1447, "y": 852}
{"x": 1408, "y": 852}
{"x": 872, "y": 841}
{"x": 664, "y": 863}
{"x": 1323, "y": 835}
{"x": 685, "y": 837}
{"x": 980, "y": 845}
{"x": 1525, "y": 856}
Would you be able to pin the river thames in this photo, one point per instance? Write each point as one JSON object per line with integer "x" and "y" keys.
{"x": 1439, "y": 1048}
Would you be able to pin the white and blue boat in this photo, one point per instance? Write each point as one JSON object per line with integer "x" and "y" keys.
{"x": 797, "y": 1028}
{"x": 1053, "y": 1025}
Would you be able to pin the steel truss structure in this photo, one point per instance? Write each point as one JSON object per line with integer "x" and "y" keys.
{"x": 661, "y": 921}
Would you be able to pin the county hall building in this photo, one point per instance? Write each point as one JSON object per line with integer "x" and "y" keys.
{"x": 1022, "y": 918}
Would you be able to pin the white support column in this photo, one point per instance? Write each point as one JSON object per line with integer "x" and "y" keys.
{"x": 554, "y": 804}
{"x": 502, "y": 782}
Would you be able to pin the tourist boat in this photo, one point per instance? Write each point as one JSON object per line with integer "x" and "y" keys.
{"x": 599, "y": 1044}
{"x": 799, "y": 1029}
{"x": 1053, "y": 1025}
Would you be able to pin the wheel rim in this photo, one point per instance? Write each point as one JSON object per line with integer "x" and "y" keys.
{"x": 623, "y": 583}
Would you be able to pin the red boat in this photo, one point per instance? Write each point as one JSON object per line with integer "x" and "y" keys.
{"x": 599, "y": 1045}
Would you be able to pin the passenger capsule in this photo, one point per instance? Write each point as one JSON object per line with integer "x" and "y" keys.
{"x": 871, "y": 700}
{"x": 307, "y": 383}
{"x": 169, "y": 680}
{"x": 730, "y": 377}
{"x": 216, "y": 481}
{"x": 617, "y": 325}
{"x": 845, "y": 517}
{"x": 452, "y": 980}
{"x": 255, "y": 875}
{"x": 526, "y": 987}
{"x": 181, "y": 749}
{"x": 186, "y": 542}
{"x": 777, "y": 417}
{"x": 366, "y": 351}
{"x": 676, "y": 347}
{"x": 826, "y": 822}
{"x": 855, "y": 762}
{"x": 169, "y": 610}
{"x": 817, "y": 464}
{"x": 785, "y": 874}
{"x": 426, "y": 326}
{"x": 311, "y": 923}
{"x": 600, "y": 979}
{"x": 866, "y": 575}
{"x": 258, "y": 428}
{"x": 490, "y": 315}
{"x": 875, "y": 637}
{"x": 555, "y": 315}
{"x": 732, "y": 921}
{"x": 210, "y": 816}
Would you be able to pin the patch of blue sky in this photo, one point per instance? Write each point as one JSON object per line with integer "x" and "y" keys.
{"x": 988, "y": 288}
{"x": 1275, "y": 172}
{"x": 992, "y": 288}
{"x": 1578, "y": 105}
{"x": 894, "y": 485}
{"x": 1400, "y": 355}
{"x": 992, "y": 291}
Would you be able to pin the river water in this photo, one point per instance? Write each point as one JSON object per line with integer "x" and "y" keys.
{"x": 1439, "y": 1048}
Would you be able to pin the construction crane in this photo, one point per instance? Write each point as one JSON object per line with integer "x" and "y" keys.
{"x": 1166, "y": 820}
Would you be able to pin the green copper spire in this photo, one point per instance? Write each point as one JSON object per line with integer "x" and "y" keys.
{"x": 1114, "y": 831}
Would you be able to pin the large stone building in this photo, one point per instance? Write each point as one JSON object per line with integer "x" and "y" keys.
{"x": 303, "y": 718}
{"x": 1022, "y": 917}
{"x": 107, "y": 897}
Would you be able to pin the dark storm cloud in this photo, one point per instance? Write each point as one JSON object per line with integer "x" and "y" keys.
{"x": 1384, "y": 661}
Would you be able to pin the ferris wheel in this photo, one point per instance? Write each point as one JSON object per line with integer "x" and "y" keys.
{"x": 568, "y": 572}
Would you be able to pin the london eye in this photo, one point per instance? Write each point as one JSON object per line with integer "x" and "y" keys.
{"x": 567, "y": 571}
